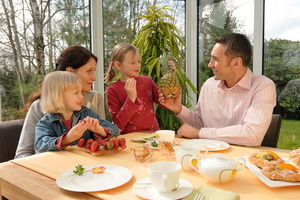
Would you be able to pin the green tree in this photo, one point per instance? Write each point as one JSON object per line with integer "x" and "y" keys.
{"x": 282, "y": 61}
{"x": 217, "y": 21}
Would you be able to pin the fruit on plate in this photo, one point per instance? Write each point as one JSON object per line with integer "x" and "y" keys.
{"x": 265, "y": 159}
{"x": 98, "y": 170}
{"x": 286, "y": 166}
{"x": 102, "y": 146}
{"x": 295, "y": 156}
{"x": 267, "y": 155}
{"x": 169, "y": 85}
{"x": 80, "y": 170}
{"x": 282, "y": 172}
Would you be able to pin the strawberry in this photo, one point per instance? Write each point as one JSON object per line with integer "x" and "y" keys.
{"x": 115, "y": 142}
{"x": 94, "y": 146}
{"x": 89, "y": 141}
{"x": 102, "y": 148}
{"x": 122, "y": 143}
{"x": 81, "y": 142}
{"x": 88, "y": 146}
{"x": 98, "y": 170}
{"x": 109, "y": 145}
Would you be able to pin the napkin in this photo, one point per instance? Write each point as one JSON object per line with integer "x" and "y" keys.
{"x": 144, "y": 138}
{"x": 213, "y": 193}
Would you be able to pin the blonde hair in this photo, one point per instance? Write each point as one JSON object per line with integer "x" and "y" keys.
{"x": 54, "y": 86}
{"x": 118, "y": 54}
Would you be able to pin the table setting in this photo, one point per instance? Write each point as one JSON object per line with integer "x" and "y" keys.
{"x": 194, "y": 167}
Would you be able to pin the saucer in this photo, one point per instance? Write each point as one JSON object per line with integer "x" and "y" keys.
{"x": 145, "y": 189}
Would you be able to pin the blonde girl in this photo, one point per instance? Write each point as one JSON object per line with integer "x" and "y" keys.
{"x": 130, "y": 99}
{"x": 67, "y": 120}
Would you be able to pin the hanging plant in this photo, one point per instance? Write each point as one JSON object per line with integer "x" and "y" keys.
{"x": 158, "y": 41}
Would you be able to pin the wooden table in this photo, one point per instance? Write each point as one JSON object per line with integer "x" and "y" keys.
{"x": 21, "y": 178}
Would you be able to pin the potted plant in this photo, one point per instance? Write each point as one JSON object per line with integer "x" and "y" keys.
{"x": 158, "y": 41}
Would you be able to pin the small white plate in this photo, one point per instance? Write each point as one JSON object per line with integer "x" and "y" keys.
{"x": 145, "y": 189}
{"x": 114, "y": 176}
{"x": 202, "y": 144}
{"x": 152, "y": 147}
{"x": 273, "y": 184}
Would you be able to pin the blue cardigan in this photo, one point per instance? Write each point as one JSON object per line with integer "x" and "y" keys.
{"x": 50, "y": 128}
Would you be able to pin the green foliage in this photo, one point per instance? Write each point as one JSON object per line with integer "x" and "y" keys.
{"x": 158, "y": 41}
{"x": 281, "y": 56}
{"x": 289, "y": 99}
{"x": 289, "y": 135}
{"x": 120, "y": 27}
{"x": 217, "y": 21}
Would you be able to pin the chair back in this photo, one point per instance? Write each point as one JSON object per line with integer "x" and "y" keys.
{"x": 272, "y": 135}
{"x": 10, "y": 132}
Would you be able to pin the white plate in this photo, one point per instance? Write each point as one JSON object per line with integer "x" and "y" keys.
{"x": 152, "y": 147}
{"x": 202, "y": 144}
{"x": 145, "y": 189}
{"x": 257, "y": 172}
{"x": 113, "y": 176}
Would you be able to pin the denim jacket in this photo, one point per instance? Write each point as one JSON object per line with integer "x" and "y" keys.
{"x": 50, "y": 128}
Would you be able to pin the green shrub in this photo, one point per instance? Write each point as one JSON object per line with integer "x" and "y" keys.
{"x": 289, "y": 99}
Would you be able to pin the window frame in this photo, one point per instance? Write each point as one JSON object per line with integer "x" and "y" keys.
{"x": 192, "y": 42}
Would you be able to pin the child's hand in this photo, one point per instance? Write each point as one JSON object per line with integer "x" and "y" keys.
{"x": 94, "y": 126}
{"x": 173, "y": 65}
{"x": 130, "y": 88}
{"x": 75, "y": 133}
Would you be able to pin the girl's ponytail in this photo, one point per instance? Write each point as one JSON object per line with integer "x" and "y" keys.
{"x": 110, "y": 74}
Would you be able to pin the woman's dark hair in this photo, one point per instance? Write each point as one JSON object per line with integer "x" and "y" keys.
{"x": 73, "y": 56}
{"x": 238, "y": 45}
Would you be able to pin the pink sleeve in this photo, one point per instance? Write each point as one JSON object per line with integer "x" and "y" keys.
{"x": 109, "y": 135}
{"x": 59, "y": 140}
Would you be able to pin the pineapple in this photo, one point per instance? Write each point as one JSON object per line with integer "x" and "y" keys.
{"x": 169, "y": 84}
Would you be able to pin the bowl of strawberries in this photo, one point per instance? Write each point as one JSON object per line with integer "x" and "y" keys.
{"x": 99, "y": 147}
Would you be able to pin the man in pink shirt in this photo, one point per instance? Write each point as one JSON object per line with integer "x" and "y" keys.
{"x": 235, "y": 105}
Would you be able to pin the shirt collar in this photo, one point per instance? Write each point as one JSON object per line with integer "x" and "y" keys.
{"x": 244, "y": 82}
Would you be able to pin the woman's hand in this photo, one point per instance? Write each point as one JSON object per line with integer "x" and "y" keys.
{"x": 130, "y": 88}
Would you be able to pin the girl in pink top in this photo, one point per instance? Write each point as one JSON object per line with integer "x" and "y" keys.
{"x": 130, "y": 99}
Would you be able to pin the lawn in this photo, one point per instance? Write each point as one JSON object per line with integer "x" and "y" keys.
{"x": 289, "y": 137}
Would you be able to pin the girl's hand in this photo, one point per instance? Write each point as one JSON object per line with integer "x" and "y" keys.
{"x": 94, "y": 126}
{"x": 172, "y": 65}
{"x": 173, "y": 104}
{"x": 130, "y": 88}
{"x": 75, "y": 133}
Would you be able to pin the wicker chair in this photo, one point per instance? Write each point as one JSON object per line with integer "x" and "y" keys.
{"x": 272, "y": 135}
{"x": 9, "y": 138}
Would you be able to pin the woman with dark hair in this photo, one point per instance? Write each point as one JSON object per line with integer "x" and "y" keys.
{"x": 80, "y": 61}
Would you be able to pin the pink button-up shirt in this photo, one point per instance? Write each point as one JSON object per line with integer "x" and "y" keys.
{"x": 238, "y": 115}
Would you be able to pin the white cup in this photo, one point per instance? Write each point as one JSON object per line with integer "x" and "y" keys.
{"x": 164, "y": 175}
{"x": 165, "y": 135}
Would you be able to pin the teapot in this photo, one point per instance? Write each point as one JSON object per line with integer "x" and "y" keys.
{"x": 216, "y": 168}
{"x": 183, "y": 155}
